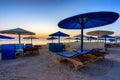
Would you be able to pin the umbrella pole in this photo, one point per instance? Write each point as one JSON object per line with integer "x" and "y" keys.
{"x": 82, "y": 40}
{"x": 19, "y": 41}
{"x": 82, "y": 24}
{"x": 31, "y": 40}
{"x": 19, "y": 38}
{"x": 52, "y": 41}
{"x": 116, "y": 40}
{"x": 59, "y": 39}
{"x": 105, "y": 45}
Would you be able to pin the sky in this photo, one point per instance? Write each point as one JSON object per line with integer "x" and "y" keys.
{"x": 43, "y": 16}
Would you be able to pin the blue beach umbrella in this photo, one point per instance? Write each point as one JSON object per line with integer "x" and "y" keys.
{"x": 77, "y": 39}
{"x": 99, "y": 33}
{"x": 59, "y": 34}
{"x": 105, "y": 37}
{"x": 117, "y": 38}
{"x": 88, "y": 20}
{"x": 5, "y": 37}
{"x": 111, "y": 40}
{"x": 51, "y": 38}
{"x": 91, "y": 38}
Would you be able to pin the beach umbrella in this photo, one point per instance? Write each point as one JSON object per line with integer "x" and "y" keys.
{"x": 100, "y": 33}
{"x": 91, "y": 38}
{"x": 5, "y": 37}
{"x": 117, "y": 38}
{"x": 59, "y": 34}
{"x": 77, "y": 39}
{"x": 88, "y": 20}
{"x": 51, "y": 38}
{"x": 31, "y": 38}
{"x": 17, "y": 31}
{"x": 105, "y": 37}
{"x": 111, "y": 40}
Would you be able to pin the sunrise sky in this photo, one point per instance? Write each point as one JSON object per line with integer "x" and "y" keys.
{"x": 43, "y": 16}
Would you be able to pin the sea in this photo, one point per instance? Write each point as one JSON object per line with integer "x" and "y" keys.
{"x": 40, "y": 41}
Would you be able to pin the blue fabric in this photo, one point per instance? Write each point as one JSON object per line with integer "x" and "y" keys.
{"x": 96, "y": 49}
{"x": 5, "y": 37}
{"x": 18, "y": 46}
{"x": 51, "y": 38}
{"x": 66, "y": 54}
{"x": 59, "y": 33}
{"x": 90, "y": 38}
{"x": 82, "y": 52}
{"x": 106, "y": 36}
{"x": 52, "y": 47}
{"x": 56, "y": 47}
{"x": 90, "y": 20}
{"x": 8, "y": 51}
{"x": 28, "y": 45}
{"x": 112, "y": 39}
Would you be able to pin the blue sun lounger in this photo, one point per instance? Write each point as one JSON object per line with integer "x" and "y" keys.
{"x": 70, "y": 57}
{"x": 8, "y": 51}
{"x": 87, "y": 55}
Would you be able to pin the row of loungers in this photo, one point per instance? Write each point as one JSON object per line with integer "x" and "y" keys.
{"x": 11, "y": 51}
{"x": 79, "y": 59}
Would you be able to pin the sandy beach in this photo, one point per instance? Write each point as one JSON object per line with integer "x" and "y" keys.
{"x": 45, "y": 66}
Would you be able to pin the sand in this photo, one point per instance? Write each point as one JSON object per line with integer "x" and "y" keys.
{"x": 45, "y": 66}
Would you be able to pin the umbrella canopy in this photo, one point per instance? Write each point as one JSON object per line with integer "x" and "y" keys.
{"x": 99, "y": 33}
{"x": 88, "y": 20}
{"x": 91, "y": 38}
{"x": 111, "y": 40}
{"x": 30, "y": 37}
{"x": 59, "y": 34}
{"x": 105, "y": 37}
{"x": 77, "y": 39}
{"x": 51, "y": 38}
{"x": 18, "y": 31}
{"x": 117, "y": 38}
{"x": 5, "y": 37}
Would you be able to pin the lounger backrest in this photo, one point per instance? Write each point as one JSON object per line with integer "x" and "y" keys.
{"x": 18, "y": 46}
{"x": 28, "y": 45}
{"x": 8, "y": 51}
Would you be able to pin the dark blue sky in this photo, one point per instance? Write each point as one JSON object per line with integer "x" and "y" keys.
{"x": 42, "y": 16}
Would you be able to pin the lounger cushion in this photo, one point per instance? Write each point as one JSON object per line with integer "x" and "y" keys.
{"x": 66, "y": 54}
{"x": 84, "y": 51}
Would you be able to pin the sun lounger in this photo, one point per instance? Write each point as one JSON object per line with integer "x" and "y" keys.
{"x": 85, "y": 56}
{"x": 8, "y": 51}
{"x": 28, "y": 45}
{"x": 18, "y": 46}
{"x": 70, "y": 57}
{"x": 98, "y": 53}
{"x": 31, "y": 51}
